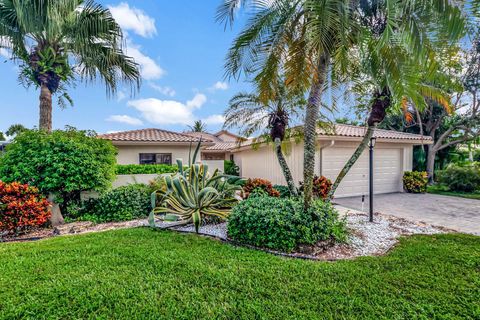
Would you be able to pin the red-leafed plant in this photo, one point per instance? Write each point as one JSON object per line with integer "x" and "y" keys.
{"x": 321, "y": 187}
{"x": 21, "y": 207}
{"x": 259, "y": 185}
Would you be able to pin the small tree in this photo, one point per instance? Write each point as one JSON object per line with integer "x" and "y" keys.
{"x": 63, "y": 163}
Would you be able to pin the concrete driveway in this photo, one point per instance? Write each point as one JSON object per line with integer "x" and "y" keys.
{"x": 451, "y": 212}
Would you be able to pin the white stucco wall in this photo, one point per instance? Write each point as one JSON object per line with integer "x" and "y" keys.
{"x": 129, "y": 154}
{"x": 263, "y": 163}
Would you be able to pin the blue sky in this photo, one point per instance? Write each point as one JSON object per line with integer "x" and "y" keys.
{"x": 181, "y": 49}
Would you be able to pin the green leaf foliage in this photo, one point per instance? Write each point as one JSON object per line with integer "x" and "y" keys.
{"x": 193, "y": 194}
{"x": 282, "y": 224}
{"x": 120, "y": 204}
{"x": 62, "y": 162}
{"x": 415, "y": 181}
{"x": 461, "y": 178}
{"x": 145, "y": 168}
{"x": 231, "y": 168}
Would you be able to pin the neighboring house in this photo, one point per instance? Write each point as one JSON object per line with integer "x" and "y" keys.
{"x": 393, "y": 155}
{"x": 3, "y": 145}
{"x": 158, "y": 146}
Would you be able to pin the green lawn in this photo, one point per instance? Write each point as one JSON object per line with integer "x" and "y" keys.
{"x": 442, "y": 191}
{"x": 147, "y": 274}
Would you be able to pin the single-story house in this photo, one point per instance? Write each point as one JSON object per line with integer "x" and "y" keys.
{"x": 393, "y": 155}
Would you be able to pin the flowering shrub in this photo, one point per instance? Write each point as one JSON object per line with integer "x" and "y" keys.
{"x": 262, "y": 184}
{"x": 321, "y": 187}
{"x": 21, "y": 207}
{"x": 415, "y": 181}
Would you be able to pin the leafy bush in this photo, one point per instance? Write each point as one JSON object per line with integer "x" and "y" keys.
{"x": 457, "y": 178}
{"x": 282, "y": 224}
{"x": 258, "y": 183}
{"x": 192, "y": 194}
{"x": 321, "y": 187}
{"x": 231, "y": 168}
{"x": 62, "y": 162}
{"x": 283, "y": 190}
{"x": 145, "y": 168}
{"x": 21, "y": 207}
{"x": 415, "y": 181}
{"x": 120, "y": 204}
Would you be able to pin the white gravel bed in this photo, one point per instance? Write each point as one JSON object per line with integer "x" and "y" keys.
{"x": 218, "y": 230}
{"x": 375, "y": 238}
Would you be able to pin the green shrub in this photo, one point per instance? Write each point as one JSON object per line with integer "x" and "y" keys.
{"x": 283, "y": 190}
{"x": 415, "y": 181}
{"x": 466, "y": 178}
{"x": 62, "y": 162}
{"x": 145, "y": 168}
{"x": 281, "y": 224}
{"x": 231, "y": 168}
{"x": 120, "y": 204}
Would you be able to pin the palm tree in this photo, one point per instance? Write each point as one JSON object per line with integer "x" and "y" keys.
{"x": 249, "y": 112}
{"x": 309, "y": 39}
{"x": 59, "y": 42}
{"x": 397, "y": 66}
{"x": 198, "y": 126}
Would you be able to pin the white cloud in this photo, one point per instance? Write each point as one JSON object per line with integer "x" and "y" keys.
{"x": 171, "y": 112}
{"x": 219, "y": 85}
{"x": 163, "y": 112}
{"x": 125, "y": 119}
{"x": 121, "y": 95}
{"x": 149, "y": 68}
{"x": 167, "y": 91}
{"x": 133, "y": 19}
{"x": 214, "y": 119}
{"x": 198, "y": 101}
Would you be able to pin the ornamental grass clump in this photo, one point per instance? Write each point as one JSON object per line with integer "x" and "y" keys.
{"x": 21, "y": 208}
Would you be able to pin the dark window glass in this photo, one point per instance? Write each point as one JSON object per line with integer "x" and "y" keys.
{"x": 155, "y": 158}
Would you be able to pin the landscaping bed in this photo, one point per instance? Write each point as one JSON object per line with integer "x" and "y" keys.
{"x": 365, "y": 239}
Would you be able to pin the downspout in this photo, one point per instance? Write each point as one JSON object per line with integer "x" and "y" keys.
{"x": 332, "y": 143}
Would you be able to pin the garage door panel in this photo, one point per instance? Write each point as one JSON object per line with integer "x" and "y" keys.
{"x": 387, "y": 170}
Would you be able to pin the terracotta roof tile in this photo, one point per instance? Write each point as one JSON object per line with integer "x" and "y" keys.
{"x": 345, "y": 130}
{"x": 223, "y": 146}
{"x": 151, "y": 135}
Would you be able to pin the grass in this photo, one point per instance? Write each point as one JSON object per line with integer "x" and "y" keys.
{"x": 147, "y": 274}
{"x": 436, "y": 189}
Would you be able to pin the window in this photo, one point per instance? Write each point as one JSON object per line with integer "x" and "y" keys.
{"x": 213, "y": 156}
{"x": 155, "y": 158}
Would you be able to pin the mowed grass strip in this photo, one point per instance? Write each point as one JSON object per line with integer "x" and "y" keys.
{"x": 146, "y": 274}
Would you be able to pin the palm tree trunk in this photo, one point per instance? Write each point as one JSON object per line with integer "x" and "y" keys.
{"x": 358, "y": 152}
{"x": 286, "y": 170}
{"x": 310, "y": 129}
{"x": 45, "y": 122}
{"x": 381, "y": 102}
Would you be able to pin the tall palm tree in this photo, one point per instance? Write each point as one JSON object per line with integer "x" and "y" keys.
{"x": 249, "y": 112}
{"x": 60, "y": 41}
{"x": 309, "y": 39}
{"x": 398, "y": 65}
{"x": 198, "y": 126}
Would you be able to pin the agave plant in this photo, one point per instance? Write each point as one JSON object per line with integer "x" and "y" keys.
{"x": 193, "y": 193}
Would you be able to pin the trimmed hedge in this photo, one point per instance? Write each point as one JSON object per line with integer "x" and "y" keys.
{"x": 120, "y": 204}
{"x": 145, "y": 168}
{"x": 281, "y": 224}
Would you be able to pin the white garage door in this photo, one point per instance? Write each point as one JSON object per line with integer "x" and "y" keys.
{"x": 387, "y": 171}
